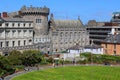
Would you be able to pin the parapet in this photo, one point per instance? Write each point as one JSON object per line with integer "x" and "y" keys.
{"x": 33, "y": 10}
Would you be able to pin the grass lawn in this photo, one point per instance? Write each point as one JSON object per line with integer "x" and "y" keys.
{"x": 74, "y": 73}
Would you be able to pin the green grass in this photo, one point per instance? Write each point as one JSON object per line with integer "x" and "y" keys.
{"x": 74, "y": 73}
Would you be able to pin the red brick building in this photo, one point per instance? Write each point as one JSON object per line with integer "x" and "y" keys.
{"x": 111, "y": 45}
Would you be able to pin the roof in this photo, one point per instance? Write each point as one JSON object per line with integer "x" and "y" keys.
{"x": 93, "y": 46}
{"x": 65, "y": 23}
{"x": 1, "y": 20}
{"x": 68, "y": 23}
{"x": 76, "y": 47}
{"x": 8, "y": 19}
{"x": 112, "y": 39}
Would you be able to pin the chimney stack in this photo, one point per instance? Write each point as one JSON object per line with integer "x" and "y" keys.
{"x": 19, "y": 13}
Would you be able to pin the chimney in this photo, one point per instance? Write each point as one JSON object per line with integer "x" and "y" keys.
{"x": 4, "y": 15}
{"x": 19, "y": 13}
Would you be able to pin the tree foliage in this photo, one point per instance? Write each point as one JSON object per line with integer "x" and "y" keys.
{"x": 16, "y": 58}
{"x": 97, "y": 58}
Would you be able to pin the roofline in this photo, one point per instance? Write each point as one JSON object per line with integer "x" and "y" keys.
{"x": 18, "y": 21}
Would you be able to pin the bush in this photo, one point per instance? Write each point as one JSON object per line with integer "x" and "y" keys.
{"x": 100, "y": 59}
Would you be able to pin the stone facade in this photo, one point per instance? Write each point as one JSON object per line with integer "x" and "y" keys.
{"x": 66, "y": 33}
{"x": 47, "y": 35}
{"x": 15, "y": 33}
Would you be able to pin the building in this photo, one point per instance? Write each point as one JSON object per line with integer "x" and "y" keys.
{"x": 99, "y": 32}
{"x": 15, "y": 32}
{"x": 39, "y": 16}
{"x": 92, "y": 48}
{"x": 95, "y": 49}
{"x": 66, "y": 33}
{"x": 76, "y": 49}
{"x": 111, "y": 44}
{"x": 116, "y": 17}
{"x": 29, "y": 28}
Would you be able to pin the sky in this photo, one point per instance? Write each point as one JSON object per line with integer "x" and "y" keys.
{"x": 99, "y": 10}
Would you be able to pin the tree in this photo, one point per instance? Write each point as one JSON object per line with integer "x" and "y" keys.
{"x": 31, "y": 57}
{"x": 5, "y": 66}
{"x": 15, "y": 57}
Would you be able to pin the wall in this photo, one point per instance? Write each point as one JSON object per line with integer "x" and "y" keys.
{"x": 94, "y": 51}
{"x": 110, "y": 49}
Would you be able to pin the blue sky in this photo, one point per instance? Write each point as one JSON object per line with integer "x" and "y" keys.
{"x": 100, "y": 10}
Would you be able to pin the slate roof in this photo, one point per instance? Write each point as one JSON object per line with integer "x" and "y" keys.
{"x": 93, "y": 46}
{"x": 76, "y": 47}
{"x": 13, "y": 19}
{"x": 65, "y": 23}
{"x": 68, "y": 23}
{"x": 8, "y": 19}
{"x": 112, "y": 39}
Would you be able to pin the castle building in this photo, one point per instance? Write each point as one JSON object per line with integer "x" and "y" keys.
{"x": 31, "y": 28}
{"x": 39, "y": 16}
{"x": 66, "y": 33}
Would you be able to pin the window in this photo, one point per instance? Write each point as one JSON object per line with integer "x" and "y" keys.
{"x": 114, "y": 46}
{"x": 24, "y": 32}
{"x": 0, "y": 34}
{"x": 38, "y": 20}
{"x": 30, "y": 40}
{"x": 18, "y": 24}
{"x": 1, "y": 44}
{"x": 13, "y": 33}
{"x": 7, "y": 43}
{"x": 30, "y": 31}
{"x": 36, "y": 40}
{"x": 19, "y": 32}
{"x": 13, "y": 24}
{"x": 24, "y": 42}
{"x": 114, "y": 52}
{"x": 18, "y": 43}
{"x": 13, "y": 43}
{"x": 7, "y": 34}
{"x": 24, "y": 24}
{"x": 105, "y": 45}
{"x": 39, "y": 39}
{"x": 6, "y": 24}
{"x": 29, "y": 25}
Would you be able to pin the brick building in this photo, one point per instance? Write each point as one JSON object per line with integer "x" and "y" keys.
{"x": 111, "y": 44}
